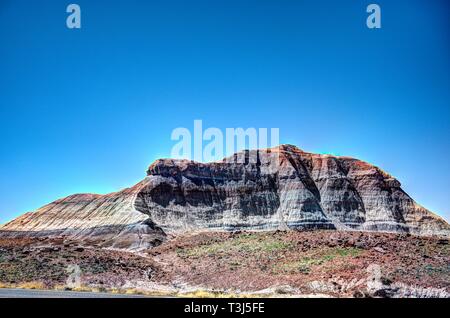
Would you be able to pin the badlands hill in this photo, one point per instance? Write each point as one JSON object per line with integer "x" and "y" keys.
{"x": 277, "y": 188}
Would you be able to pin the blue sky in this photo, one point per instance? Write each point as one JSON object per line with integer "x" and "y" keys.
{"x": 88, "y": 110}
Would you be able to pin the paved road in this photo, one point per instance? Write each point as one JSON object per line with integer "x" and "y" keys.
{"x": 32, "y": 293}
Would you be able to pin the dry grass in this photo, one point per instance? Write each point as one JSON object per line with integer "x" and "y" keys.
{"x": 31, "y": 285}
{"x": 25, "y": 285}
{"x": 6, "y": 285}
{"x": 214, "y": 294}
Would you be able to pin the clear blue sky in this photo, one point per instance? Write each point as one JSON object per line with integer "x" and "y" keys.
{"x": 88, "y": 110}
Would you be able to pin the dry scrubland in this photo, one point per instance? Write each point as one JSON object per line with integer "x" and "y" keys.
{"x": 241, "y": 264}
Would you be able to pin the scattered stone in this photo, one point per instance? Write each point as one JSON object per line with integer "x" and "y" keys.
{"x": 256, "y": 262}
{"x": 360, "y": 244}
{"x": 442, "y": 242}
{"x": 386, "y": 292}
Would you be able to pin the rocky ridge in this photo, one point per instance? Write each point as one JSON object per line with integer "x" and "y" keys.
{"x": 278, "y": 188}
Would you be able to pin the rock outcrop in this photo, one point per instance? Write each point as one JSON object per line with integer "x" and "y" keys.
{"x": 278, "y": 188}
{"x": 104, "y": 220}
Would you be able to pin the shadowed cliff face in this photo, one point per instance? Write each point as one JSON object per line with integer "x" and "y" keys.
{"x": 279, "y": 188}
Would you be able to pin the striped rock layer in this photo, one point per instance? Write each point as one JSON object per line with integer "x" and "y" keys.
{"x": 277, "y": 188}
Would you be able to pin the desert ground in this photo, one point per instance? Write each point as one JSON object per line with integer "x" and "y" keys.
{"x": 239, "y": 264}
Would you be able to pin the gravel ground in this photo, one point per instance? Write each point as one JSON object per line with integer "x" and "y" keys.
{"x": 334, "y": 263}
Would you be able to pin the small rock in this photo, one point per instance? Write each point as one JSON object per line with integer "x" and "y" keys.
{"x": 442, "y": 242}
{"x": 284, "y": 290}
{"x": 360, "y": 244}
{"x": 332, "y": 243}
{"x": 350, "y": 243}
{"x": 359, "y": 294}
{"x": 379, "y": 249}
{"x": 385, "y": 292}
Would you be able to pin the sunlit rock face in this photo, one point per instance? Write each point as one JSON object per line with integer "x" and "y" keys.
{"x": 102, "y": 220}
{"x": 278, "y": 188}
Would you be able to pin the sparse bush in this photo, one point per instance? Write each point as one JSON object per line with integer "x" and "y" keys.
{"x": 32, "y": 285}
{"x": 305, "y": 264}
{"x": 244, "y": 243}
